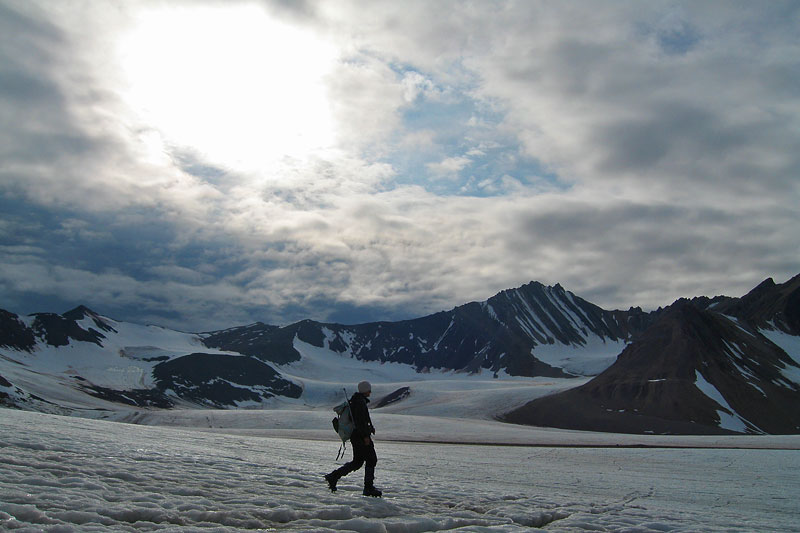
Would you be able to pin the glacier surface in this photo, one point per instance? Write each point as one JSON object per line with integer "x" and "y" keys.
{"x": 61, "y": 474}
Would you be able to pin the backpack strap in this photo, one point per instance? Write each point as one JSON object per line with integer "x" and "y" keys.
{"x": 342, "y": 449}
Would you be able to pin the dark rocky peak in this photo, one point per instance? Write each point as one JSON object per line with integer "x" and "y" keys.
{"x": 57, "y": 330}
{"x": 765, "y": 293}
{"x": 259, "y": 340}
{"x": 553, "y": 314}
{"x": 762, "y": 288}
{"x": 310, "y": 332}
{"x": 82, "y": 312}
{"x": 768, "y": 306}
{"x": 14, "y": 333}
{"x": 79, "y": 313}
{"x": 778, "y": 305}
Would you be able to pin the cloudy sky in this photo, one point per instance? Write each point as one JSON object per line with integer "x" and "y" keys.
{"x": 201, "y": 164}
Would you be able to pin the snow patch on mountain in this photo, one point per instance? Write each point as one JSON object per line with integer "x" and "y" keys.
{"x": 791, "y": 345}
{"x": 728, "y": 417}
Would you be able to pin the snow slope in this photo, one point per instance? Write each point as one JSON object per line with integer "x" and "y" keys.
{"x": 60, "y": 475}
{"x": 325, "y": 375}
{"x": 124, "y": 362}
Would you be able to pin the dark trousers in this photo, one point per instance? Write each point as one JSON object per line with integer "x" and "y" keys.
{"x": 363, "y": 455}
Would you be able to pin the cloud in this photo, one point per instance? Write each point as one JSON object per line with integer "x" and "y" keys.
{"x": 646, "y": 251}
{"x": 449, "y": 167}
{"x": 415, "y": 85}
{"x": 607, "y": 105}
{"x": 634, "y": 154}
{"x": 366, "y": 98}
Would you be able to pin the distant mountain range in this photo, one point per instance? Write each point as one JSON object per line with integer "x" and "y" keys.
{"x": 706, "y": 365}
{"x": 502, "y": 334}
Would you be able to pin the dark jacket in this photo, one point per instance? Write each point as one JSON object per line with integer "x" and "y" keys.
{"x": 363, "y": 423}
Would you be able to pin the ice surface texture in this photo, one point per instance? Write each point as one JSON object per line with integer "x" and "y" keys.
{"x": 62, "y": 474}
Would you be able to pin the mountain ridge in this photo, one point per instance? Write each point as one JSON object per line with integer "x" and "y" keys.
{"x": 498, "y": 334}
{"x": 726, "y": 347}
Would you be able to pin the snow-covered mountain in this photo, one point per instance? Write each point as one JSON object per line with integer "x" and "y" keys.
{"x": 530, "y": 331}
{"x": 705, "y": 365}
{"x": 50, "y": 361}
{"x": 81, "y": 360}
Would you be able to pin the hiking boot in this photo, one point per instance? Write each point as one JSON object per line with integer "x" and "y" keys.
{"x": 372, "y": 491}
{"x": 331, "y": 479}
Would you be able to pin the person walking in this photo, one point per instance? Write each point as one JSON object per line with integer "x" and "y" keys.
{"x": 361, "y": 441}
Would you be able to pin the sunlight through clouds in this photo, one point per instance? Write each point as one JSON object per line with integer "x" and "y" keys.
{"x": 235, "y": 85}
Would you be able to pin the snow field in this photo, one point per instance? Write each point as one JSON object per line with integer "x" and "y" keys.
{"x": 587, "y": 360}
{"x": 60, "y": 474}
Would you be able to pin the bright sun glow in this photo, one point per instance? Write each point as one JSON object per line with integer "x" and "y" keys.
{"x": 230, "y": 82}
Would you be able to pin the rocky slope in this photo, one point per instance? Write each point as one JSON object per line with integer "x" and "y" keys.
{"x": 705, "y": 366}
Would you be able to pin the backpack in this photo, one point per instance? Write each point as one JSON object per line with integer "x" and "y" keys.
{"x": 343, "y": 424}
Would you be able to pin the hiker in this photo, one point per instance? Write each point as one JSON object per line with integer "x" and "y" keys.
{"x": 361, "y": 440}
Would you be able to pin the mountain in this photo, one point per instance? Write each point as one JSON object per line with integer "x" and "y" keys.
{"x": 768, "y": 306}
{"x": 52, "y": 363}
{"x": 705, "y": 366}
{"x": 533, "y": 330}
{"x": 14, "y": 333}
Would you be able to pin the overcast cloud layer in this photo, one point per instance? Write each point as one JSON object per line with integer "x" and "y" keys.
{"x": 211, "y": 164}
